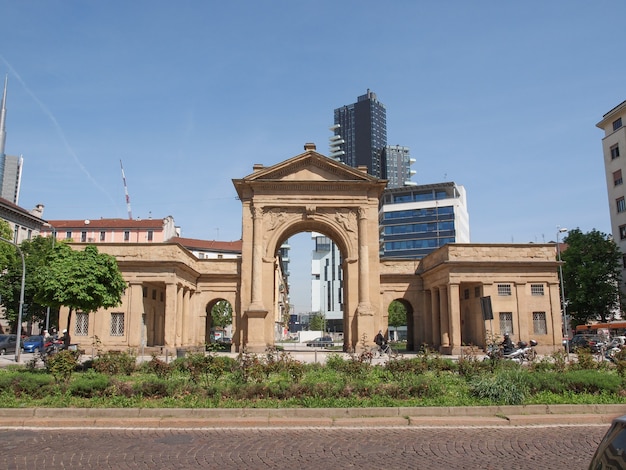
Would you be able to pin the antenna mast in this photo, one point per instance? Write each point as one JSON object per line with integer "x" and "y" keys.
{"x": 130, "y": 214}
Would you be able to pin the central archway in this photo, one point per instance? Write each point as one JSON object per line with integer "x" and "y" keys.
{"x": 308, "y": 193}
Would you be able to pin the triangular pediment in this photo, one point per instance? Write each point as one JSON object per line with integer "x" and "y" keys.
{"x": 310, "y": 166}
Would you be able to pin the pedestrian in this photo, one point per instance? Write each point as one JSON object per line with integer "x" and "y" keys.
{"x": 379, "y": 339}
{"x": 66, "y": 339}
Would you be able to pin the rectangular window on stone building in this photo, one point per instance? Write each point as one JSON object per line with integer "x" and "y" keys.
{"x": 82, "y": 324}
{"x": 506, "y": 323}
{"x": 68, "y": 235}
{"x": 536, "y": 289}
{"x": 83, "y": 237}
{"x": 504, "y": 289}
{"x": 621, "y": 204}
{"x": 117, "y": 324}
{"x": 617, "y": 124}
{"x": 150, "y": 235}
{"x": 476, "y": 291}
{"x": 126, "y": 236}
{"x": 614, "y": 151}
{"x": 622, "y": 232}
{"x": 617, "y": 177}
{"x": 539, "y": 323}
{"x": 466, "y": 294}
{"x": 102, "y": 236}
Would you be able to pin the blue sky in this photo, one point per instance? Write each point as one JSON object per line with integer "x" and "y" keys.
{"x": 500, "y": 97}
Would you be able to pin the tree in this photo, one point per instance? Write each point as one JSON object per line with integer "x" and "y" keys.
{"x": 397, "y": 314}
{"x": 317, "y": 322}
{"x": 591, "y": 276}
{"x": 35, "y": 253}
{"x": 80, "y": 280}
{"x": 222, "y": 314}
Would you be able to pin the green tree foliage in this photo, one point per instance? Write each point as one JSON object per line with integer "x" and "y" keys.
{"x": 397, "y": 314}
{"x": 317, "y": 322}
{"x": 222, "y": 314}
{"x": 591, "y": 276}
{"x": 80, "y": 280}
{"x": 35, "y": 253}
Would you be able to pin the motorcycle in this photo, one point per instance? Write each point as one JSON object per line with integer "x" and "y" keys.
{"x": 523, "y": 352}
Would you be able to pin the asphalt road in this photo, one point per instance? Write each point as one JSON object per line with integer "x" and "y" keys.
{"x": 511, "y": 448}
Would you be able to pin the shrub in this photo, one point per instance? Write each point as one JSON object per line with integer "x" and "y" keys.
{"x": 33, "y": 385}
{"x": 502, "y": 388}
{"x": 115, "y": 363}
{"x": 89, "y": 385}
{"x": 153, "y": 387}
{"x": 158, "y": 367}
{"x": 62, "y": 364}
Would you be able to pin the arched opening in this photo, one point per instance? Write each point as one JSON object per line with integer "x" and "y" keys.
{"x": 400, "y": 322}
{"x": 312, "y": 266}
{"x": 218, "y": 326}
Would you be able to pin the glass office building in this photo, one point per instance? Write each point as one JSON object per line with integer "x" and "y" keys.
{"x": 416, "y": 220}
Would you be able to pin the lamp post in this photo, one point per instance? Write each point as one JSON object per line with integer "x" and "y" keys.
{"x": 54, "y": 237}
{"x": 18, "y": 345}
{"x": 564, "y": 305}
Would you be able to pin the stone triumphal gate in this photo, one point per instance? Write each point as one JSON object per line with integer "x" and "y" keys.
{"x": 171, "y": 292}
{"x": 309, "y": 193}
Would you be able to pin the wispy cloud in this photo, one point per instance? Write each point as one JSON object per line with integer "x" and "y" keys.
{"x": 58, "y": 129}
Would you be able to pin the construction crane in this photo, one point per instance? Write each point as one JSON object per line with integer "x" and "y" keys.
{"x": 130, "y": 214}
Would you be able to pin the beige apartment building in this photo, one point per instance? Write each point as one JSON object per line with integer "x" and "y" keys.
{"x": 613, "y": 146}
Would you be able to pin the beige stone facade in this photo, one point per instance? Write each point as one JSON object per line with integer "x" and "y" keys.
{"x": 170, "y": 291}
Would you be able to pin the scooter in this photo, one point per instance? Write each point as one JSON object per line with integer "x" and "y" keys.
{"x": 523, "y": 352}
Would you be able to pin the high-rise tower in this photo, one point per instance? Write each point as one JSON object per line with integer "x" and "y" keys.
{"x": 10, "y": 166}
{"x": 360, "y": 134}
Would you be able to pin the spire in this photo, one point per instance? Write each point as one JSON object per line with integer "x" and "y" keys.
{"x": 3, "y": 115}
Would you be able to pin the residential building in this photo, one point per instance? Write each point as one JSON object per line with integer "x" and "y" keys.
{"x": 613, "y": 146}
{"x": 10, "y": 166}
{"x": 399, "y": 163}
{"x": 25, "y": 224}
{"x": 210, "y": 249}
{"x": 360, "y": 135}
{"x": 416, "y": 220}
{"x": 113, "y": 230}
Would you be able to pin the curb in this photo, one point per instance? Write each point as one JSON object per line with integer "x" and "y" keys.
{"x": 530, "y": 415}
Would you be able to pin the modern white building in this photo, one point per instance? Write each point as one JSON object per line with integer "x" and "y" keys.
{"x": 327, "y": 282}
{"x": 416, "y": 220}
{"x": 613, "y": 145}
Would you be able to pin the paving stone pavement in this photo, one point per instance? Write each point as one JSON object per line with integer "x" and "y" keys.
{"x": 425, "y": 447}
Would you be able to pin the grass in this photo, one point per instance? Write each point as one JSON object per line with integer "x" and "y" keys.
{"x": 276, "y": 380}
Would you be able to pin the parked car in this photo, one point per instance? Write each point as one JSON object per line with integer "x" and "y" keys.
{"x": 590, "y": 342}
{"x": 322, "y": 342}
{"x": 33, "y": 344}
{"x": 617, "y": 342}
{"x": 7, "y": 344}
{"x": 610, "y": 452}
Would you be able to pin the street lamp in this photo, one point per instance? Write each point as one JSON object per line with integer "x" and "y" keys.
{"x": 54, "y": 237}
{"x": 564, "y": 305}
{"x": 18, "y": 346}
